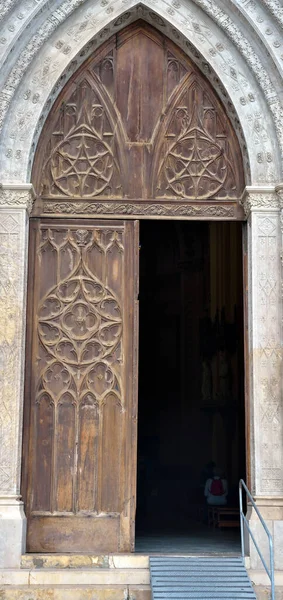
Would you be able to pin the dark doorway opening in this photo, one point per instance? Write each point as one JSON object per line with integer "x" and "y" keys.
{"x": 191, "y": 372}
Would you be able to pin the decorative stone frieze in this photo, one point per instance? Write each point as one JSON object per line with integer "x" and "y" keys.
{"x": 259, "y": 198}
{"x": 136, "y": 210}
{"x": 279, "y": 192}
{"x": 15, "y": 204}
{"x": 17, "y": 196}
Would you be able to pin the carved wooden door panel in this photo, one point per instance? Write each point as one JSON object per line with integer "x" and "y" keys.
{"x": 79, "y": 450}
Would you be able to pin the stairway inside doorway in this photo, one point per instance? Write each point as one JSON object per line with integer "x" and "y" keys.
{"x": 181, "y": 578}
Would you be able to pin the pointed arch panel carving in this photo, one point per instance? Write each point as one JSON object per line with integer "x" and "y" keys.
{"x": 83, "y": 155}
{"x": 194, "y": 157}
{"x": 138, "y": 123}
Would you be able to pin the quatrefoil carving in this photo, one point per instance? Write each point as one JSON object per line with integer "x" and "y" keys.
{"x": 80, "y": 321}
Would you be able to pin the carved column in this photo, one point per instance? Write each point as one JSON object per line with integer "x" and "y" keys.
{"x": 263, "y": 361}
{"x": 15, "y": 205}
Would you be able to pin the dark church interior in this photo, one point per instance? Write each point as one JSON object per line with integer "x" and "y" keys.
{"x": 191, "y": 370}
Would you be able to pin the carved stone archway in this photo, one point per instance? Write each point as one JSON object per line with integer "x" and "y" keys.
{"x": 136, "y": 132}
{"x": 29, "y": 92}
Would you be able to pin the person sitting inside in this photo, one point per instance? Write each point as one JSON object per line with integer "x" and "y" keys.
{"x": 216, "y": 489}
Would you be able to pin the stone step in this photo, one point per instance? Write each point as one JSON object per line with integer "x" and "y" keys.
{"x": 73, "y": 577}
{"x": 85, "y": 592}
{"x": 82, "y": 561}
{"x": 263, "y": 592}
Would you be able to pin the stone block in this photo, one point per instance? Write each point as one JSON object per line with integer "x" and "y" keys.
{"x": 84, "y": 561}
{"x": 64, "y": 593}
{"x": 278, "y": 544}
{"x": 64, "y": 561}
{"x": 13, "y": 577}
{"x": 26, "y": 594}
{"x": 12, "y": 532}
{"x": 260, "y": 578}
{"x": 95, "y": 577}
{"x": 263, "y": 592}
{"x": 129, "y": 561}
{"x": 140, "y": 593}
{"x": 262, "y": 542}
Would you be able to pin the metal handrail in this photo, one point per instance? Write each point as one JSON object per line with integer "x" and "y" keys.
{"x": 243, "y": 520}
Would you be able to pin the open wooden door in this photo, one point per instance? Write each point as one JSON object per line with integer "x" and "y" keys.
{"x": 80, "y": 422}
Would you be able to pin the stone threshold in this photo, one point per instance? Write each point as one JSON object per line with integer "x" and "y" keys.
{"x": 82, "y": 561}
{"x": 82, "y": 576}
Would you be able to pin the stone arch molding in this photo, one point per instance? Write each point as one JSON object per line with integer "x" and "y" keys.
{"x": 239, "y": 47}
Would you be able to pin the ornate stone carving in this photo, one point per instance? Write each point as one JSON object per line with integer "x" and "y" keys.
{"x": 6, "y": 6}
{"x": 17, "y": 197}
{"x": 268, "y": 26}
{"x": 12, "y": 330}
{"x": 276, "y": 9}
{"x": 138, "y": 209}
{"x": 279, "y": 192}
{"x": 31, "y": 49}
{"x": 265, "y": 337}
{"x": 252, "y": 59}
{"x": 269, "y": 354}
{"x": 252, "y": 200}
{"x": 12, "y": 307}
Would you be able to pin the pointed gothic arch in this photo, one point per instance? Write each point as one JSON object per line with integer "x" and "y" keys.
{"x": 138, "y": 124}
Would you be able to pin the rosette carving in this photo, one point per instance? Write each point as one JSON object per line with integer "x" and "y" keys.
{"x": 195, "y": 154}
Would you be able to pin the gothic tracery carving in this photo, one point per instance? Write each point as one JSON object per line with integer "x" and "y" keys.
{"x": 79, "y": 327}
{"x": 196, "y": 163}
{"x": 78, "y": 366}
{"x": 114, "y": 135}
{"x": 81, "y": 160}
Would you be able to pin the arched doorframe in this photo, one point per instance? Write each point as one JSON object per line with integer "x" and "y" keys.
{"x": 262, "y": 205}
{"x": 137, "y": 132}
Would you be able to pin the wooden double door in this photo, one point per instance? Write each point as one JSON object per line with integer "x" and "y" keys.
{"x": 137, "y": 132}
